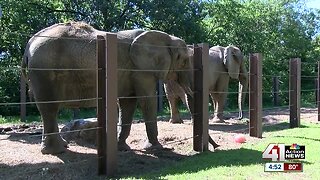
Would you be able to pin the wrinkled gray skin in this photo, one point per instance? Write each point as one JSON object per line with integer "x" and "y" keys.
{"x": 74, "y": 47}
{"x": 224, "y": 63}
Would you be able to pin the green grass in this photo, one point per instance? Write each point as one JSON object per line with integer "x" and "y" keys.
{"x": 247, "y": 163}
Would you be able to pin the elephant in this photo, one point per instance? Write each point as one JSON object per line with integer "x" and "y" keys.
{"x": 224, "y": 63}
{"x": 52, "y": 65}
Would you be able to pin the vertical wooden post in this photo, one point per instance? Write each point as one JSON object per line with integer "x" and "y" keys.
{"x": 295, "y": 91}
{"x": 107, "y": 94}
{"x": 23, "y": 99}
{"x": 160, "y": 95}
{"x": 275, "y": 90}
{"x": 255, "y": 95}
{"x": 318, "y": 91}
{"x": 201, "y": 99}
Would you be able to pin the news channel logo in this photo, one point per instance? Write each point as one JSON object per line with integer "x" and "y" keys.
{"x": 284, "y": 158}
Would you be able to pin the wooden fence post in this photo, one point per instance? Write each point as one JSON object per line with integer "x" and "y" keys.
{"x": 275, "y": 90}
{"x": 107, "y": 100}
{"x": 201, "y": 98}
{"x": 255, "y": 95}
{"x": 23, "y": 99}
{"x": 318, "y": 91}
{"x": 295, "y": 91}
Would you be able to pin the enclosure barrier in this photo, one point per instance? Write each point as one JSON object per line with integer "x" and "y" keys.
{"x": 107, "y": 93}
{"x": 295, "y": 91}
{"x": 255, "y": 95}
{"x": 200, "y": 105}
{"x": 275, "y": 90}
{"x": 107, "y": 106}
{"x": 318, "y": 91}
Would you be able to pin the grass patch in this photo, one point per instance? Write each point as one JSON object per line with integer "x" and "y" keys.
{"x": 247, "y": 163}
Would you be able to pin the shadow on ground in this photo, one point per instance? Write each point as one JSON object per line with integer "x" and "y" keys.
{"x": 73, "y": 165}
{"x": 79, "y": 166}
{"x": 208, "y": 160}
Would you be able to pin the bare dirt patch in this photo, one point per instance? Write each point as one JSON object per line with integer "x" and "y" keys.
{"x": 20, "y": 156}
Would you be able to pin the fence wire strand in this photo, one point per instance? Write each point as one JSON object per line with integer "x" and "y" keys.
{"x": 30, "y": 135}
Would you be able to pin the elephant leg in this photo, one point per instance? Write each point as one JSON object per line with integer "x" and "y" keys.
{"x": 214, "y": 103}
{"x": 126, "y": 111}
{"x": 52, "y": 142}
{"x": 172, "y": 90}
{"x": 218, "y": 100}
{"x": 220, "y": 103}
{"x": 149, "y": 111}
{"x": 173, "y": 103}
{"x": 145, "y": 85}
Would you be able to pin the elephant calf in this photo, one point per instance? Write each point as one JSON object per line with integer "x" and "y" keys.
{"x": 224, "y": 63}
{"x": 144, "y": 57}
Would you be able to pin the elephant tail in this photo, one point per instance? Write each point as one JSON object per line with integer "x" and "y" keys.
{"x": 24, "y": 65}
{"x": 24, "y": 73}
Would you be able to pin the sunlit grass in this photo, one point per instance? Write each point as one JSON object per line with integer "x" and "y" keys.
{"x": 246, "y": 162}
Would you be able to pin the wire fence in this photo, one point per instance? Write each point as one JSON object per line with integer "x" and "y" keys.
{"x": 242, "y": 130}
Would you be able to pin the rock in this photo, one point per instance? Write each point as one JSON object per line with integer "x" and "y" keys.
{"x": 33, "y": 130}
{"x": 7, "y": 129}
{"x": 23, "y": 126}
{"x": 84, "y": 129}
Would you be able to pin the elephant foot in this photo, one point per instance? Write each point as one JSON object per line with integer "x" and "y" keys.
{"x": 176, "y": 121}
{"x": 152, "y": 146}
{"x": 217, "y": 120}
{"x": 122, "y": 146}
{"x": 53, "y": 144}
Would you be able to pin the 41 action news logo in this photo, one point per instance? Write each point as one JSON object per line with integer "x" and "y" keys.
{"x": 281, "y": 152}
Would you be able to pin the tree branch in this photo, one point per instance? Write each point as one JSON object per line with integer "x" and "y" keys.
{"x": 50, "y": 10}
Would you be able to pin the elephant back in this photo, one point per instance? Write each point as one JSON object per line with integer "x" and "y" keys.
{"x": 62, "y": 50}
{"x": 151, "y": 50}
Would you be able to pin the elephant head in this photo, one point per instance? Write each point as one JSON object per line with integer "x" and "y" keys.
{"x": 164, "y": 54}
{"x": 233, "y": 59}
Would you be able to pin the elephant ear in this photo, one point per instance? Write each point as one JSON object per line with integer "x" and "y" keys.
{"x": 151, "y": 51}
{"x": 233, "y": 59}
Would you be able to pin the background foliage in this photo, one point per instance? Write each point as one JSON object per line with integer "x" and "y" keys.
{"x": 280, "y": 29}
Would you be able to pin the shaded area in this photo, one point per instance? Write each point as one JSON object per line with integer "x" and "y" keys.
{"x": 80, "y": 162}
{"x": 136, "y": 163}
{"x": 72, "y": 165}
{"x": 208, "y": 160}
{"x": 75, "y": 165}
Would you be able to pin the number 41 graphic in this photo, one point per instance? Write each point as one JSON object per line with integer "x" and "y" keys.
{"x": 275, "y": 152}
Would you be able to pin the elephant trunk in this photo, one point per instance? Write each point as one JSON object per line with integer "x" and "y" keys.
{"x": 243, "y": 87}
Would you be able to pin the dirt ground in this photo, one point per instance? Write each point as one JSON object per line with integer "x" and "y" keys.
{"x": 20, "y": 156}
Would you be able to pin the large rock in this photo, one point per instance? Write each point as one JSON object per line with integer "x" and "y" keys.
{"x": 83, "y": 129}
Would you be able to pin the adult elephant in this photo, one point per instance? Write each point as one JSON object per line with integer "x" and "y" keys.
{"x": 143, "y": 58}
{"x": 224, "y": 63}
